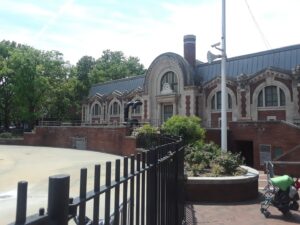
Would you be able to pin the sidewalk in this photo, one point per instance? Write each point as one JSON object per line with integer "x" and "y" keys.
{"x": 239, "y": 213}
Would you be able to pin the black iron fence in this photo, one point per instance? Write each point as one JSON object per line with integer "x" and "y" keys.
{"x": 148, "y": 191}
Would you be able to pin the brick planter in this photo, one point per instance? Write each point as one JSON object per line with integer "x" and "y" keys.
{"x": 223, "y": 189}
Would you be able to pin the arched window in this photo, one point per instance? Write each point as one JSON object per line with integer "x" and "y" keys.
{"x": 115, "y": 109}
{"x": 216, "y": 101}
{"x": 271, "y": 96}
{"x": 169, "y": 80}
{"x": 96, "y": 110}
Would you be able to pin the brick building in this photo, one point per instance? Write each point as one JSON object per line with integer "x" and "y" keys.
{"x": 263, "y": 98}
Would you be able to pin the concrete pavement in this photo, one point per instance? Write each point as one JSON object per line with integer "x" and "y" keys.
{"x": 35, "y": 165}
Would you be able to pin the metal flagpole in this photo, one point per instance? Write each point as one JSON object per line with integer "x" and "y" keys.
{"x": 223, "y": 83}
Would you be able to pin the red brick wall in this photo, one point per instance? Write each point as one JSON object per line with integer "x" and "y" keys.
{"x": 215, "y": 118}
{"x": 188, "y": 105}
{"x": 145, "y": 109}
{"x": 197, "y": 106}
{"x": 274, "y": 133}
{"x": 213, "y": 135}
{"x": 243, "y": 104}
{"x": 104, "y": 139}
{"x": 280, "y": 114}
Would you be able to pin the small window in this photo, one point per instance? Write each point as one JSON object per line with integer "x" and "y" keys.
{"x": 96, "y": 110}
{"x": 115, "y": 109}
{"x": 264, "y": 153}
{"x": 216, "y": 101}
{"x": 271, "y": 96}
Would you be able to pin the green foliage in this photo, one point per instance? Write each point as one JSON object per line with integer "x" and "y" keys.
{"x": 114, "y": 65}
{"x": 188, "y": 127}
{"x": 6, "y": 135}
{"x": 146, "y": 136}
{"x": 84, "y": 66}
{"x": 207, "y": 159}
{"x": 229, "y": 162}
{"x": 146, "y": 129}
{"x": 201, "y": 153}
{"x": 36, "y": 85}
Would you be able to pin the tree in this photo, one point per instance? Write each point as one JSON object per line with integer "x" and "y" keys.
{"x": 30, "y": 86}
{"x": 84, "y": 66}
{"x": 6, "y": 85}
{"x": 114, "y": 65}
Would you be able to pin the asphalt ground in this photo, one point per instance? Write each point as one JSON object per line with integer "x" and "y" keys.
{"x": 35, "y": 165}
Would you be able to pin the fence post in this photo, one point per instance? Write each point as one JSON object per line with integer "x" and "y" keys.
{"x": 58, "y": 199}
{"x": 21, "y": 202}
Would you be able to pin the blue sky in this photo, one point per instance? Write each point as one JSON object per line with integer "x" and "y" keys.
{"x": 147, "y": 28}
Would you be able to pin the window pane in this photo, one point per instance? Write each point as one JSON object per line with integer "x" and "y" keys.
{"x": 219, "y": 100}
{"x": 264, "y": 153}
{"x": 213, "y": 102}
{"x": 229, "y": 102}
{"x": 115, "y": 109}
{"x": 271, "y": 98}
{"x": 282, "y": 98}
{"x": 167, "y": 112}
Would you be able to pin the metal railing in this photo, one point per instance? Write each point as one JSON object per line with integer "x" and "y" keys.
{"x": 149, "y": 192}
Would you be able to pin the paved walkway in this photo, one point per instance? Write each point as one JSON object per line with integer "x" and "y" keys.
{"x": 35, "y": 165}
{"x": 239, "y": 213}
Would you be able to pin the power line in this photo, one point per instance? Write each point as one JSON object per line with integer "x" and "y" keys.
{"x": 266, "y": 42}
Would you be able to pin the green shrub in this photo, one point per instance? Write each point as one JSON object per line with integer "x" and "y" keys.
{"x": 6, "y": 135}
{"x": 196, "y": 169}
{"x": 229, "y": 161}
{"x": 201, "y": 153}
{"x": 204, "y": 159}
{"x": 146, "y": 129}
{"x": 146, "y": 136}
{"x": 216, "y": 170}
{"x": 188, "y": 127}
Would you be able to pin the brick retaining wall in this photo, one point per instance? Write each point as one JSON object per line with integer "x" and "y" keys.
{"x": 105, "y": 139}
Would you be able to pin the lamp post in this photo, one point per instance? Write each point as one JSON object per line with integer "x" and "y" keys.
{"x": 223, "y": 83}
{"x": 210, "y": 58}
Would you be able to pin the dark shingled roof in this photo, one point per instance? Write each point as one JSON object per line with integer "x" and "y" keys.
{"x": 281, "y": 59}
{"x": 285, "y": 58}
{"x": 122, "y": 85}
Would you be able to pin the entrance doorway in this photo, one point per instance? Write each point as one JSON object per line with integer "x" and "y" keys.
{"x": 167, "y": 112}
{"x": 246, "y": 150}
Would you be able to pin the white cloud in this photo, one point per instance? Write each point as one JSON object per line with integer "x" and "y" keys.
{"x": 25, "y": 8}
{"x": 76, "y": 29}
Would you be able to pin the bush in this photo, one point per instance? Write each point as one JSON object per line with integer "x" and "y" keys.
{"x": 201, "y": 153}
{"x": 146, "y": 129}
{"x": 187, "y": 127}
{"x": 229, "y": 161}
{"x": 146, "y": 136}
{"x": 204, "y": 159}
{"x": 6, "y": 135}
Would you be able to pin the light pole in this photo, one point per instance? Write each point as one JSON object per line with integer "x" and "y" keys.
{"x": 210, "y": 58}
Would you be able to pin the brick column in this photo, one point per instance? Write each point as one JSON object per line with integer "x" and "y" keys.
{"x": 188, "y": 105}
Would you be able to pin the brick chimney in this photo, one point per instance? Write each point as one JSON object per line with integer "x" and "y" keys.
{"x": 190, "y": 49}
